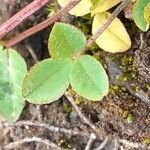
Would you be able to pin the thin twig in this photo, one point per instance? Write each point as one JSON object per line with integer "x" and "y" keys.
{"x": 42, "y": 25}
{"x": 134, "y": 145}
{"x": 71, "y": 132}
{"x": 85, "y": 119}
{"x": 32, "y": 139}
{"x": 141, "y": 41}
{"x": 102, "y": 145}
{"x": 32, "y": 53}
{"x": 39, "y": 113}
{"x": 108, "y": 22}
{"x": 90, "y": 141}
{"x": 46, "y": 126}
{"x": 116, "y": 144}
{"x": 21, "y": 16}
{"x": 82, "y": 116}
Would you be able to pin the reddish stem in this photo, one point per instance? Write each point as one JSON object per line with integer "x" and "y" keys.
{"x": 44, "y": 24}
{"x": 108, "y": 22}
{"x": 21, "y": 16}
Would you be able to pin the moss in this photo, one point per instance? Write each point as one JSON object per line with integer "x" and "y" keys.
{"x": 115, "y": 89}
{"x": 128, "y": 68}
{"x": 146, "y": 140}
{"x": 52, "y": 8}
{"x": 64, "y": 143}
{"x": 84, "y": 24}
{"x": 130, "y": 118}
{"x": 78, "y": 100}
{"x": 67, "y": 108}
{"x": 148, "y": 86}
{"x": 124, "y": 113}
{"x": 135, "y": 88}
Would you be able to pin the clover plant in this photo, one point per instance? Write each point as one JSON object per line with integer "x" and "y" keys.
{"x": 49, "y": 79}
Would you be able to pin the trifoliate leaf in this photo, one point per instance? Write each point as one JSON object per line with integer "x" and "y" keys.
{"x": 115, "y": 38}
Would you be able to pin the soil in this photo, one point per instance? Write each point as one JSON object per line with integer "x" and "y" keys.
{"x": 124, "y": 113}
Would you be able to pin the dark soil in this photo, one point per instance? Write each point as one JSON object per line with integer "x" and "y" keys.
{"x": 124, "y": 113}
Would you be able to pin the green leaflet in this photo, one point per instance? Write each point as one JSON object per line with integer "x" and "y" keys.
{"x": 47, "y": 81}
{"x": 65, "y": 41}
{"x": 139, "y": 14}
{"x": 89, "y": 79}
{"x": 12, "y": 73}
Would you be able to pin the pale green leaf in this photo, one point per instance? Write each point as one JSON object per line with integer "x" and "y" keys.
{"x": 89, "y": 79}
{"x": 103, "y": 5}
{"x": 140, "y": 14}
{"x": 12, "y": 72}
{"x": 81, "y": 9}
{"x": 47, "y": 81}
{"x": 115, "y": 38}
{"x": 94, "y": 3}
{"x": 65, "y": 41}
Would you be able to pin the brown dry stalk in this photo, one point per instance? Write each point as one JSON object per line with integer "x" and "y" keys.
{"x": 21, "y": 16}
{"x": 108, "y": 22}
{"x": 42, "y": 25}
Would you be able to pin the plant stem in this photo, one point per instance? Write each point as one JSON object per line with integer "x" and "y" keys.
{"x": 42, "y": 25}
{"x": 21, "y": 16}
{"x": 33, "y": 139}
{"x": 108, "y": 22}
{"x": 97, "y": 130}
{"x": 87, "y": 121}
{"x": 90, "y": 141}
{"x": 73, "y": 132}
{"x": 103, "y": 144}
